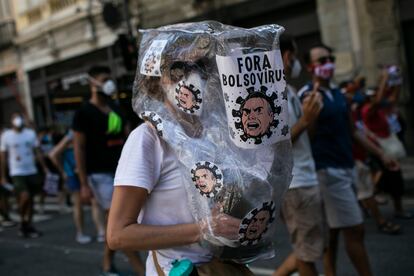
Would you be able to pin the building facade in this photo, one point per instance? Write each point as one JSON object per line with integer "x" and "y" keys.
{"x": 55, "y": 42}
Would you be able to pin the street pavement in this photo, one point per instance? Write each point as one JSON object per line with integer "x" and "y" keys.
{"x": 57, "y": 253}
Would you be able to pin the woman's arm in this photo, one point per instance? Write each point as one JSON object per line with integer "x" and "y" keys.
{"x": 125, "y": 233}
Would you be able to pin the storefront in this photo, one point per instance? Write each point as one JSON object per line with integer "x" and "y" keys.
{"x": 59, "y": 89}
{"x": 8, "y": 103}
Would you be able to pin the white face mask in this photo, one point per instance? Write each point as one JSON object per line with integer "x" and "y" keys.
{"x": 109, "y": 87}
{"x": 17, "y": 122}
{"x": 296, "y": 69}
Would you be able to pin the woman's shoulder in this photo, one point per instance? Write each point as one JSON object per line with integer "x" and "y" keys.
{"x": 144, "y": 132}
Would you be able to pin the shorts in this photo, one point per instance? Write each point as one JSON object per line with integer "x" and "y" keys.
{"x": 339, "y": 197}
{"x": 363, "y": 181}
{"x": 303, "y": 214}
{"x": 102, "y": 186}
{"x": 27, "y": 183}
{"x": 73, "y": 184}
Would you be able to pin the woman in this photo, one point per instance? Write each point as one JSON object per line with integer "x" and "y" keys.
{"x": 158, "y": 203}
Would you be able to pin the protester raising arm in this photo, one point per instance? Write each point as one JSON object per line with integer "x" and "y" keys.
{"x": 312, "y": 106}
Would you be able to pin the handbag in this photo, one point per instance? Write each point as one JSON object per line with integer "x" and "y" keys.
{"x": 215, "y": 267}
{"x": 51, "y": 185}
{"x": 392, "y": 146}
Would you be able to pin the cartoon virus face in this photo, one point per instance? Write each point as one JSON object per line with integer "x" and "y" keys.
{"x": 187, "y": 96}
{"x": 150, "y": 62}
{"x": 207, "y": 178}
{"x": 154, "y": 119}
{"x": 256, "y": 223}
{"x": 257, "y": 115}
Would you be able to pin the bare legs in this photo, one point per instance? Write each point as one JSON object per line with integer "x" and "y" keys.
{"x": 287, "y": 267}
{"x": 291, "y": 264}
{"x": 354, "y": 245}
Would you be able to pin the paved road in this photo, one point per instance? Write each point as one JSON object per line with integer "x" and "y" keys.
{"x": 56, "y": 253}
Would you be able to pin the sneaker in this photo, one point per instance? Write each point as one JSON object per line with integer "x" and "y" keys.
{"x": 100, "y": 237}
{"x": 83, "y": 239}
{"x": 109, "y": 273}
{"x": 112, "y": 272}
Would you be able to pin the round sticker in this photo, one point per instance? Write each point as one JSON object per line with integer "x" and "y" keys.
{"x": 256, "y": 223}
{"x": 188, "y": 97}
{"x": 256, "y": 115}
{"x": 207, "y": 178}
{"x": 154, "y": 119}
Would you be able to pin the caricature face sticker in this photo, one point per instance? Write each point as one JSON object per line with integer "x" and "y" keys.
{"x": 188, "y": 94}
{"x": 256, "y": 223}
{"x": 207, "y": 178}
{"x": 154, "y": 119}
{"x": 151, "y": 62}
{"x": 257, "y": 116}
{"x": 253, "y": 86}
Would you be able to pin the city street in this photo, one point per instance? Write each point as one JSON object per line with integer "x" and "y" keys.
{"x": 57, "y": 253}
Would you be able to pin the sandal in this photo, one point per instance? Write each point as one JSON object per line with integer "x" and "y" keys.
{"x": 389, "y": 228}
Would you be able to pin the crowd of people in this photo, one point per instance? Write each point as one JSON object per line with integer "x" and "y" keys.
{"x": 347, "y": 141}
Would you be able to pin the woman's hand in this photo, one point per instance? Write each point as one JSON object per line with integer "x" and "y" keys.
{"x": 221, "y": 225}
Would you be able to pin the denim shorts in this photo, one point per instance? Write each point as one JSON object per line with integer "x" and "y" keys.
{"x": 102, "y": 186}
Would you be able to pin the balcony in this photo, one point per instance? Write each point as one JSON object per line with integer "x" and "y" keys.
{"x": 7, "y": 33}
{"x": 58, "y": 5}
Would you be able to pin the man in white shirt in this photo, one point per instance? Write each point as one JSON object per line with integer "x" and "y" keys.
{"x": 20, "y": 147}
{"x": 302, "y": 207}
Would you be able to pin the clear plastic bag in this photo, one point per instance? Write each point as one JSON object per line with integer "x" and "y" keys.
{"x": 217, "y": 95}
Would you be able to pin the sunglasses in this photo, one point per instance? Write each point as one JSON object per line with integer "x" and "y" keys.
{"x": 323, "y": 60}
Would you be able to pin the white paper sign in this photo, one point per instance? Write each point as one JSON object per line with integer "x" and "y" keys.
{"x": 151, "y": 62}
{"x": 256, "y": 101}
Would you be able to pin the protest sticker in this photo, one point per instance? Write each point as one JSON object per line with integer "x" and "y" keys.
{"x": 151, "y": 62}
{"x": 207, "y": 178}
{"x": 254, "y": 90}
{"x": 256, "y": 223}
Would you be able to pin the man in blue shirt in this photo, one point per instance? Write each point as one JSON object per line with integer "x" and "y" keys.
{"x": 332, "y": 135}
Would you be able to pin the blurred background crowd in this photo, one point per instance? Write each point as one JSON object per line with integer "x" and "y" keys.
{"x": 48, "y": 46}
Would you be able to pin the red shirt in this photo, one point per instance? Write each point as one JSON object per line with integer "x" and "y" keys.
{"x": 375, "y": 120}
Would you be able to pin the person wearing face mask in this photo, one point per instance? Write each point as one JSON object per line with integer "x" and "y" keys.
{"x": 21, "y": 147}
{"x": 99, "y": 134}
{"x": 333, "y": 133}
{"x": 302, "y": 206}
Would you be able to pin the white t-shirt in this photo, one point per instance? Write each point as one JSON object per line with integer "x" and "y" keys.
{"x": 304, "y": 173}
{"x": 149, "y": 163}
{"x": 19, "y": 147}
